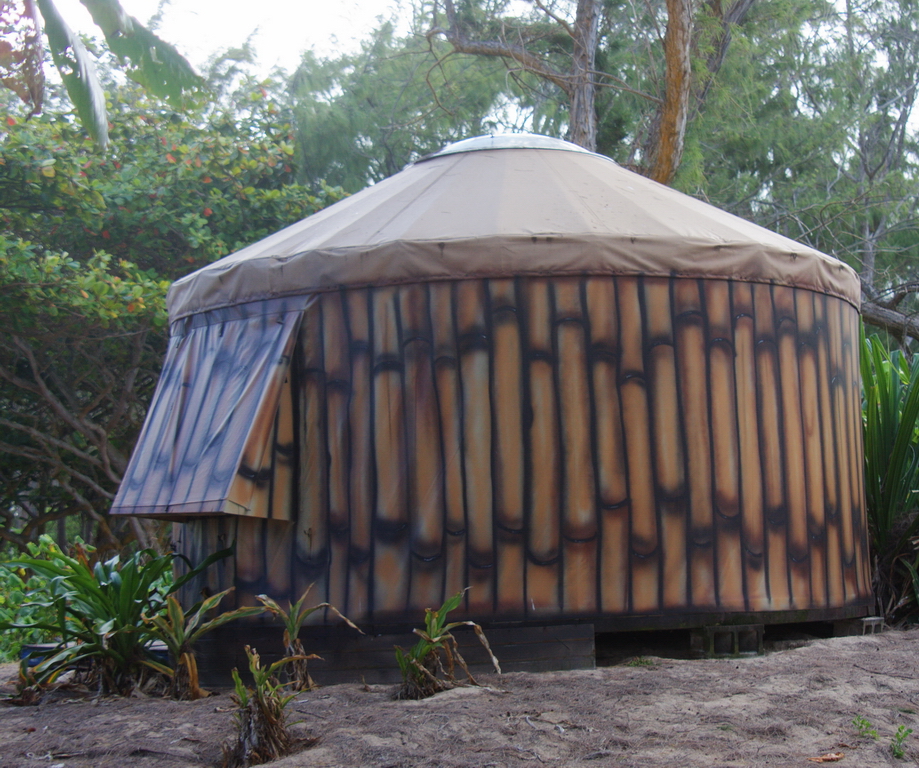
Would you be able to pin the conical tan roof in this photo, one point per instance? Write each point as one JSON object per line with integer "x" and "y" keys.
{"x": 508, "y": 205}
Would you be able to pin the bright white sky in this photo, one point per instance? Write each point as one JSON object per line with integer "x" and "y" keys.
{"x": 285, "y": 28}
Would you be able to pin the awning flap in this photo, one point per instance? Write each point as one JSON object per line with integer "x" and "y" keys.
{"x": 222, "y": 374}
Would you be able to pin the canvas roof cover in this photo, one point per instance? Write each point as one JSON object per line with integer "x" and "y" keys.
{"x": 485, "y": 207}
{"x": 508, "y": 205}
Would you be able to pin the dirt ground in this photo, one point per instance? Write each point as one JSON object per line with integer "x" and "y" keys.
{"x": 774, "y": 710}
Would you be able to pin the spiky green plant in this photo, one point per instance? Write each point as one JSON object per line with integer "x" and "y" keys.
{"x": 430, "y": 665}
{"x": 261, "y": 728}
{"x": 99, "y": 611}
{"x": 890, "y": 385}
{"x": 298, "y": 675}
{"x": 180, "y": 630}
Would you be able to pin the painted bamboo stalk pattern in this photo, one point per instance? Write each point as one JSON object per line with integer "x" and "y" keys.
{"x": 570, "y": 447}
{"x": 543, "y": 530}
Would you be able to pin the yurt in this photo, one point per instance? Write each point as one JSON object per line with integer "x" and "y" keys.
{"x": 519, "y": 368}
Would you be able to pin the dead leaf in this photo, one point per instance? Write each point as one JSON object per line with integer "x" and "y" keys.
{"x": 829, "y": 757}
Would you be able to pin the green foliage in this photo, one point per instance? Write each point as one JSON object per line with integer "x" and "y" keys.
{"x": 77, "y": 72}
{"x": 298, "y": 675}
{"x": 151, "y": 62}
{"x": 54, "y": 289}
{"x": 864, "y": 727}
{"x": 890, "y": 384}
{"x": 16, "y": 583}
{"x": 97, "y": 610}
{"x": 896, "y": 743}
{"x": 261, "y": 730}
{"x": 180, "y": 630}
{"x": 148, "y": 60}
{"x": 363, "y": 117}
{"x": 808, "y": 131}
{"x": 175, "y": 193}
{"x": 88, "y": 246}
{"x": 429, "y": 666}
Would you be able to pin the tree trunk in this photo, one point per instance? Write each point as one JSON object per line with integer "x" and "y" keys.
{"x": 582, "y": 127}
{"x": 667, "y": 145}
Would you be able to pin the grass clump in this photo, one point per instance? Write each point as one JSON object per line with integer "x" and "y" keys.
{"x": 430, "y": 665}
{"x": 261, "y": 729}
{"x": 298, "y": 676}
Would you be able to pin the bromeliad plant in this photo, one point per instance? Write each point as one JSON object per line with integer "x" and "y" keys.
{"x": 890, "y": 385}
{"x": 180, "y": 630}
{"x": 261, "y": 730}
{"x": 298, "y": 675}
{"x": 429, "y": 666}
{"x": 97, "y": 612}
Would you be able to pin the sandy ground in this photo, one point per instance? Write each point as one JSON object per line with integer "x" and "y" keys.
{"x": 775, "y": 710}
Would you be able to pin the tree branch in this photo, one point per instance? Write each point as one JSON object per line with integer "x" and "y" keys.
{"x": 456, "y": 36}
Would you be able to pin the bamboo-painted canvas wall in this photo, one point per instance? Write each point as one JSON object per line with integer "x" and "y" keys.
{"x": 566, "y": 447}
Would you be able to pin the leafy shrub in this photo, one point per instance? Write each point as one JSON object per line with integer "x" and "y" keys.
{"x": 429, "y": 666}
{"x": 96, "y": 611}
{"x": 15, "y": 584}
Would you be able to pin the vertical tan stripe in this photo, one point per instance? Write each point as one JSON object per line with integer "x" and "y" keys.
{"x": 809, "y": 374}
{"x": 425, "y": 489}
{"x": 312, "y": 526}
{"x": 543, "y": 543}
{"x": 610, "y": 447}
{"x": 282, "y": 492}
{"x": 662, "y": 383}
{"x": 579, "y": 516}
{"x": 477, "y": 444}
{"x": 725, "y": 448}
{"x": 644, "y": 532}
{"x": 793, "y": 438}
{"x": 391, "y": 551}
{"x": 692, "y": 360}
{"x": 828, "y": 438}
{"x": 338, "y": 393}
{"x": 670, "y": 465}
{"x": 845, "y": 461}
{"x": 507, "y": 394}
{"x": 745, "y": 377}
{"x": 360, "y": 479}
{"x": 771, "y": 455}
{"x": 446, "y": 374}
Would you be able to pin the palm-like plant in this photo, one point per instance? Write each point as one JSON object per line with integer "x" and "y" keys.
{"x": 153, "y": 63}
{"x": 429, "y": 666}
{"x": 100, "y": 611}
{"x": 891, "y": 419}
{"x": 261, "y": 731}
{"x": 297, "y": 673}
{"x": 180, "y": 630}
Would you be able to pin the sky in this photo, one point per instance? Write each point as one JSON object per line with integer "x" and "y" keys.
{"x": 285, "y": 28}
